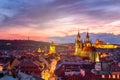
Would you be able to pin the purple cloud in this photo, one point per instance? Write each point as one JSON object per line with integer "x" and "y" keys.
{"x": 47, "y": 14}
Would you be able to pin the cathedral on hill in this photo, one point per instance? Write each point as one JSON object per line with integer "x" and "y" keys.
{"x": 85, "y": 49}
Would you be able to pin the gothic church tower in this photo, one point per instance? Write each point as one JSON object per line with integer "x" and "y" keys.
{"x": 78, "y": 45}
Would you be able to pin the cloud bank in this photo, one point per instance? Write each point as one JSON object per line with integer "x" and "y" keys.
{"x": 58, "y": 18}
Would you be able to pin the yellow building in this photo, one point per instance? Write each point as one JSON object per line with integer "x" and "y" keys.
{"x": 78, "y": 44}
{"x": 101, "y": 44}
{"x": 52, "y": 49}
{"x": 39, "y": 50}
{"x": 85, "y": 49}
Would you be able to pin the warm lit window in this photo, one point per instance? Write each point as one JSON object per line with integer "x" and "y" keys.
{"x": 113, "y": 76}
{"x": 118, "y": 76}
{"x": 103, "y": 76}
{"x": 1, "y": 68}
{"x": 109, "y": 76}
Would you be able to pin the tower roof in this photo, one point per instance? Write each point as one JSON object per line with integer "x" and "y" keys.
{"x": 78, "y": 37}
{"x": 87, "y": 36}
{"x": 78, "y": 34}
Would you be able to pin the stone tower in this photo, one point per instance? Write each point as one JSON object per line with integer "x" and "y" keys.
{"x": 52, "y": 49}
{"x": 78, "y": 45}
{"x": 87, "y": 41}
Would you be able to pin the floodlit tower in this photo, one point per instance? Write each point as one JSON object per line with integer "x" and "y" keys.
{"x": 87, "y": 41}
{"x": 78, "y": 44}
{"x": 39, "y": 50}
{"x": 52, "y": 49}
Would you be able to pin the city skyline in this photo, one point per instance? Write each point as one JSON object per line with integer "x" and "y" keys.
{"x": 59, "y": 20}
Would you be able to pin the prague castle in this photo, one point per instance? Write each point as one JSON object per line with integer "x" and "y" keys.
{"x": 85, "y": 49}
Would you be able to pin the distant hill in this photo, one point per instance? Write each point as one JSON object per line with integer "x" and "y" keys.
{"x": 22, "y": 44}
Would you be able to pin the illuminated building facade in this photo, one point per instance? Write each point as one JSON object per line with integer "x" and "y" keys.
{"x": 57, "y": 48}
{"x": 85, "y": 49}
{"x": 78, "y": 45}
{"x": 52, "y": 49}
{"x": 102, "y": 44}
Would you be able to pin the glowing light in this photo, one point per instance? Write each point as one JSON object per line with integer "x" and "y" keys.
{"x": 103, "y": 55}
{"x": 113, "y": 76}
{"x": 53, "y": 66}
{"x": 1, "y": 68}
{"x": 109, "y": 76}
{"x": 46, "y": 74}
{"x": 39, "y": 50}
{"x": 118, "y": 76}
{"x": 52, "y": 48}
{"x": 103, "y": 76}
{"x": 82, "y": 72}
{"x": 97, "y": 57}
{"x": 107, "y": 46}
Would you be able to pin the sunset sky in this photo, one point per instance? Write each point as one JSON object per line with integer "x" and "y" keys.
{"x": 60, "y": 20}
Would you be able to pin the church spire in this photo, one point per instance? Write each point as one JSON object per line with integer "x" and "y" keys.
{"x": 78, "y": 44}
{"x": 87, "y": 36}
{"x": 78, "y": 36}
{"x": 88, "y": 41}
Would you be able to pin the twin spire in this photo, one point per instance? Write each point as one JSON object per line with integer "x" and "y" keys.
{"x": 79, "y": 37}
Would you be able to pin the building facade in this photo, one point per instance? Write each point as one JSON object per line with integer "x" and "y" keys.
{"x": 85, "y": 49}
{"x": 52, "y": 49}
